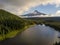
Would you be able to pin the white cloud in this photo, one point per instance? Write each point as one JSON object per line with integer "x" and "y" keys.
{"x": 19, "y": 6}
{"x": 58, "y": 12}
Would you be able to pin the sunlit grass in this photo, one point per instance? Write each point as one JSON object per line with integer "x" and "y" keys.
{"x": 9, "y": 35}
{"x": 12, "y": 34}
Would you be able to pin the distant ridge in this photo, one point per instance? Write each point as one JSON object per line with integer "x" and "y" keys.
{"x": 46, "y": 18}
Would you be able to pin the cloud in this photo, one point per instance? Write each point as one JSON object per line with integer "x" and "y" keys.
{"x": 58, "y": 12}
{"x": 19, "y": 6}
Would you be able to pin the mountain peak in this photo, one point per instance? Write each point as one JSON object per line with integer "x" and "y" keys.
{"x": 36, "y": 12}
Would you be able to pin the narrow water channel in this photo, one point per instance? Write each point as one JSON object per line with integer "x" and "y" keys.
{"x": 36, "y": 35}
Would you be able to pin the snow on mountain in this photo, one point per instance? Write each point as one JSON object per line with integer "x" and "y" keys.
{"x": 38, "y": 14}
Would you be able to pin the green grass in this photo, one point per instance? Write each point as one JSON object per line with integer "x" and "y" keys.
{"x": 9, "y": 35}
{"x": 12, "y": 34}
{"x": 54, "y": 24}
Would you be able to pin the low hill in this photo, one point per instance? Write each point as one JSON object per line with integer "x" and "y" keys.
{"x": 10, "y": 24}
{"x": 9, "y": 21}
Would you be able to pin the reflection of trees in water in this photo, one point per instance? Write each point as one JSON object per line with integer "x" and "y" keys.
{"x": 57, "y": 43}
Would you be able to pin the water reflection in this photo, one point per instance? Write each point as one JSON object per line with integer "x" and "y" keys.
{"x": 36, "y": 35}
{"x": 42, "y": 35}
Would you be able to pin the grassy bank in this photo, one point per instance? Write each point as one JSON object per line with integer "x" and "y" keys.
{"x": 54, "y": 24}
{"x": 51, "y": 23}
{"x": 12, "y": 34}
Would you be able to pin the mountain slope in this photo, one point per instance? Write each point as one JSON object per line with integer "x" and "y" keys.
{"x": 6, "y": 15}
{"x": 10, "y": 20}
{"x": 10, "y": 24}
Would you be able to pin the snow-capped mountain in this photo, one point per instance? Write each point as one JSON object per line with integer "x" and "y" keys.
{"x": 37, "y": 14}
{"x": 34, "y": 13}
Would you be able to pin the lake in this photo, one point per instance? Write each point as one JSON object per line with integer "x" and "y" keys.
{"x": 35, "y": 35}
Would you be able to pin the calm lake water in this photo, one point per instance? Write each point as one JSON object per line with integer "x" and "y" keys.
{"x": 36, "y": 35}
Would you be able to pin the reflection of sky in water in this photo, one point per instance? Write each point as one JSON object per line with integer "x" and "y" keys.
{"x": 42, "y": 35}
{"x": 36, "y": 35}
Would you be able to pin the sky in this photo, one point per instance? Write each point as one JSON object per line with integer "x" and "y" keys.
{"x": 47, "y": 9}
{"x": 20, "y": 7}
